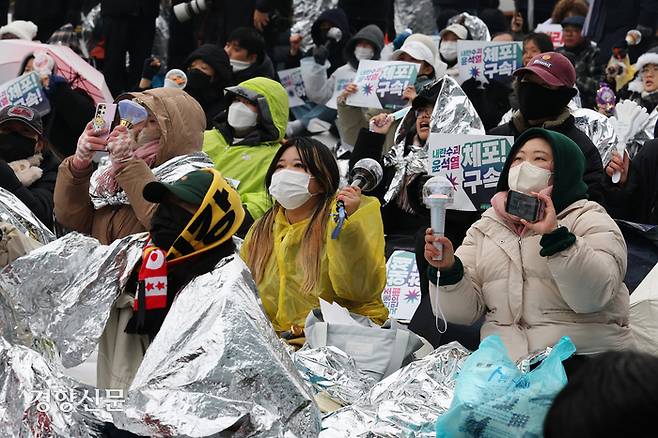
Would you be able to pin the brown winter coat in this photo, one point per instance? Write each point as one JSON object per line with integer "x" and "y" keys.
{"x": 530, "y": 300}
{"x": 182, "y": 122}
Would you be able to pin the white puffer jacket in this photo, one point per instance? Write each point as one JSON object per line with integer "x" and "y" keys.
{"x": 530, "y": 300}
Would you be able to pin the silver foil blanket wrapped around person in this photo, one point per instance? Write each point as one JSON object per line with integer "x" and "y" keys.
{"x": 60, "y": 294}
{"x": 406, "y": 403}
{"x": 13, "y": 211}
{"x": 38, "y": 400}
{"x": 333, "y": 372}
{"x": 216, "y": 366}
{"x": 167, "y": 172}
{"x": 453, "y": 114}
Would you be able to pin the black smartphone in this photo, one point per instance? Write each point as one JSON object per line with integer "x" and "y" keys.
{"x": 524, "y": 206}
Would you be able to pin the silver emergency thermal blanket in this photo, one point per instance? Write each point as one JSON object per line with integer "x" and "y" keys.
{"x": 453, "y": 114}
{"x": 13, "y": 211}
{"x": 216, "y": 368}
{"x": 406, "y": 403}
{"x": 167, "y": 172}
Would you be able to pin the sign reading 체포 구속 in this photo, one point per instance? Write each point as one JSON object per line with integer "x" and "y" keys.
{"x": 473, "y": 163}
{"x": 488, "y": 60}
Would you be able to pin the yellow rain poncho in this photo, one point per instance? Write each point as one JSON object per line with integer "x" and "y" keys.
{"x": 353, "y": 269}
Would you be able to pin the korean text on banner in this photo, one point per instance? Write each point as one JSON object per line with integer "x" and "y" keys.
{"x": 473, "y": 163}
{"x": 292, "y": 81}
{"x": 488, "y": 60}
{"x": 25, "y": 90}
{"x": 401, "y": 296}
{"x": 382, "y": 83}
{"x": 554, "y": 31}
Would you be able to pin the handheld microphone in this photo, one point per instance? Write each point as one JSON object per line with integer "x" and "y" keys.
{"x": 366, "y": 174}
{"x": 334, "y": 34}
{"x": 438, "y": 194}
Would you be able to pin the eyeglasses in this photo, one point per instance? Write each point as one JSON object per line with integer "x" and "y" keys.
{"x": 427, "y": 112}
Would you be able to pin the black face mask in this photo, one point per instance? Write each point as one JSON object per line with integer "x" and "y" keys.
{"x": 199, "y": 86}
{"x": 167, "y": 223}
{"x": 537, "y": 102}
{"x": 14, "y": 146}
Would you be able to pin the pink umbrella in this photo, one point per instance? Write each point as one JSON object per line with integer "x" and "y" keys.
{"x": 69, "y": 65}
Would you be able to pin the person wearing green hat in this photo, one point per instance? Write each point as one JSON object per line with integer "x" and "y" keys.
{"x": 538, "y": 281}
{"x": 191, "y": 232}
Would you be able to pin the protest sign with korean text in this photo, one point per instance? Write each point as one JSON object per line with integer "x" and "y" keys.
{"x": 473, "y": 163}
{"x": 292, "y": 81}
{"x": 554, "y": 31}
{"x": 25, "y": 90}
{"x": 343, "y": 78}
{"x": 401, "y": 296}
{"x": 488, "y": 60}
{"x": 382, "y": 83}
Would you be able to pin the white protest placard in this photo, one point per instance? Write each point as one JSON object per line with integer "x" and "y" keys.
{"x": 401, "y": 296}
{"x": 488, "y": 60}
{"x": 473, "y": 163}
{"x": 343, "y": 78}
{"x": 381, "y": 84}
{"x": 554, "y": 31}
{"x": 292, "y": 81}
{"x": 25, "y": 90}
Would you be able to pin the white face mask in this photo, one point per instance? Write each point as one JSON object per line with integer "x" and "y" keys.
{"x": 290, "y": 188}
{"x": 448, "y": 50}
{"x": 362, "y": 53}
{"x": 239, "y": 65}
{"x": 240, "y": 116}
{"x": 528, "y": 178}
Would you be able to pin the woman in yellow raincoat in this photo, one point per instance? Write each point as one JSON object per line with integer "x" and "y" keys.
{"x": 290, "y": 251}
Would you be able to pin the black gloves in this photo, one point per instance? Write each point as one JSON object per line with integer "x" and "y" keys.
{"x": 150, "y": 70}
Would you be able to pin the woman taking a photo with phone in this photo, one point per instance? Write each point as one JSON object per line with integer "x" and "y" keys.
{"x": 559, "y": 273}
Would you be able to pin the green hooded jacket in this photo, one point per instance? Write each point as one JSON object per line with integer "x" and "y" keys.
{"x": 245, "y": 163}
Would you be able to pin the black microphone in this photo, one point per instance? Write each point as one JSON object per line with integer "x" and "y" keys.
{"x": 320, "y": 53}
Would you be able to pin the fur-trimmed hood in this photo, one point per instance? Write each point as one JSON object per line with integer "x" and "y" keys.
{"x": 648, "y": 58}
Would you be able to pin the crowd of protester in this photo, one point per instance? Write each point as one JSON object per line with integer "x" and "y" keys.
{"x": 529, "y": 282}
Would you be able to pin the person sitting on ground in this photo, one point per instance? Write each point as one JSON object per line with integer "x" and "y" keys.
{"x": 365, "y": 45}
{"x": 245, "y": 48}
{"x": 28, "y": 168}
{"x": 583, "y": 54}
{"x": 613, "y": 394}
{"x": 535, "y": 282}
{"x": 417, "y": 48}
{"x": 174, "y": 128}
{"x": 330, "y": 33}
{"x": 191, "y": 232}
{"x": 643, "y": 90}
{"x": 291, "y": 254}
{"x": 544, "y": 88}
{"x": 448, "y": 46}
{"x": 247, "y": 135}
{"x": 208, "y": 73}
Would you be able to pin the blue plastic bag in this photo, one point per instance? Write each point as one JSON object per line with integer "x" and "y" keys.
{"x": 494, "y": 399}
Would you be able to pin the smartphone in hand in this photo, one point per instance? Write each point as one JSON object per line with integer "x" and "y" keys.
{"x": 104, "y": 117}
{"x": 524, "y": 206}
